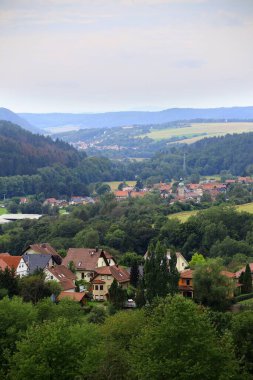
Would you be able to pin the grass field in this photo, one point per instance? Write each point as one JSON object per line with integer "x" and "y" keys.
{"x": 197, "y": 131}
{"x": 114, "y": 184}
{"x": 3, "y": 210}
{"x": 185, "y": 215}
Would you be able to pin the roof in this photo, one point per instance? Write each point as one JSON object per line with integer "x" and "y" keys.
{"x": 228, "y": 274}
{"x": 96, "y": 281}
{"x": 119, "y": 273}
{"x": 75, "y": 296}
{"x": 11, "y": 261}
{"x": 136, "y": 194}
{"x": 35, "y": 262}
{"x": 43, "y": 248}
{"x": 121, "y": 193}
{"x": 83, "y": 258}
{"x": 3, "y": 264}
{"x": 64, "y": 276}
{"x": 237, "y": 274}
{"x": 188, "y": 273}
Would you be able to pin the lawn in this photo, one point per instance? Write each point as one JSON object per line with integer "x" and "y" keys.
{"x": 197, "y": 131}
{"x": 114, "y": 184}
{"x": 3, "y": 210}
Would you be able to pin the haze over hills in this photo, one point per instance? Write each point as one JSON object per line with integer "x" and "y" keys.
{"x": 114, "y": 119}
{"x": 8, "y": 115}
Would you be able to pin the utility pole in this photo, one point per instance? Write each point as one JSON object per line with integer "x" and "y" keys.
{"x": 184, "y": 163}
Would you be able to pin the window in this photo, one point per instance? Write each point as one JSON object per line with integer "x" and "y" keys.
{"x": 187, "y": 282}
{"x": 82, "y": 275}
{"x": 96, "y": 287}
{"x": 51, "y": 277}
{"x": 101, "y": 287}
{"x": 102, "y": 277}
{"x": 182, "y": 264}
{"x": 108, "y": 277}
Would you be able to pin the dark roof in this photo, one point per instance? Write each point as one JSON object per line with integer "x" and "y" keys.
{"x": 36, "y": 262}
{"x": 84, "y": 258}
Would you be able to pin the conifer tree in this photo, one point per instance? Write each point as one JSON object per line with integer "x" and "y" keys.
{"x": 134, "y": 274}
{"x": 247, "y": 283}
{"x": 173, "y": 276}
{"x": 140, "y": 294}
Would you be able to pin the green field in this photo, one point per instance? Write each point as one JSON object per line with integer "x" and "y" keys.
{"x": 197, "y": 131}
{"x": 114, "y": 184}
{"x": 3, "y": 210}
{"x": 185, "y": 215}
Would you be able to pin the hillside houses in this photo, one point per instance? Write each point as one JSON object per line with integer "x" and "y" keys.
{"x": 85, "y": 261}
{"x": 14, "y": 262}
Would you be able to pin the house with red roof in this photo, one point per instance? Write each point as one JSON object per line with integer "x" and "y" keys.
{"x": 103, "y": 279}
{"x": 63, "y": 276}
{"x": 86, "y": 261}
{"x": 14, "y": 262}
{"x": 74, "y": 296}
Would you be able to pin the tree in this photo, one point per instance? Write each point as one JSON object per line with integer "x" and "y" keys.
{"x": 178, "y": 343}
{"x": 173, "y": 275}
{"x": 156, "y": 275}
{"x": 197, "y": 260}
{"x": 211, "y": 287}
{"x": 103, "y": 189}
{"x": 117, "y": 295}
{"x": 56, "y": 350}
{"x": 9, "y": 281}
{"x": 34, "y": 288}
{"x": 246, "y": 280}
{"x": 15, "y": 317}
{"x": 242, "y": 331}
{"x": 134, "y": 274}
{"x": 140, "y": 294}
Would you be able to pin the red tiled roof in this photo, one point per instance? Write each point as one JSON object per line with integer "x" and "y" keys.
{"x": 3, "y": 265}
{"x": 83, "y": 258}
{"x": 11, "y": 261}
{"x": 64, "y": 276}
{"x": 119, "y": 273}
{"x": 121, "y": 193}
{"x": 188, "y": 273}
{"x": 96, "y": 281}
{"x": 75, "y": 296}
{"x": 137, "y": 194}
{"x": 43, "y": 248}
{"x": 228, "y": 274}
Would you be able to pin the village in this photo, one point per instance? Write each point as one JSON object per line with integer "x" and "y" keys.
{"x": 88, "y": 273}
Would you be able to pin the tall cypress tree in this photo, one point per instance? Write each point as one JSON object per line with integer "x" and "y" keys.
{"x": 134, "y": 274}
{"x": 173, "y": 274}
{"x": 247, "y": 284}
{"x": 156, "y": 272}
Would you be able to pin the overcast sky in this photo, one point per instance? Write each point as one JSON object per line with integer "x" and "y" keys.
{"x": 107, "y": 55}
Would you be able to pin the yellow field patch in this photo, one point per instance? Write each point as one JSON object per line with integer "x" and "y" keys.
{"x": 114, "y": 184}
{"x": 198, "y": 131}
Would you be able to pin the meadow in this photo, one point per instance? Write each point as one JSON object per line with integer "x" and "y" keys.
{"x": 197, "y": 131}
{"x": 185, "y": 215}
{"x": 114, "y": 184}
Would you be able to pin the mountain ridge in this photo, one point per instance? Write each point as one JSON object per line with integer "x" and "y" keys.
{"x": 122, "y": 118}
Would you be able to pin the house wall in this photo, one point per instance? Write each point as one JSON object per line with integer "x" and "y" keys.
{"x": 101, "y": 262}
{"x": 181, "y": 263}
{"x": 185, "y": 282}
{"x": 99, "y": 293}
{"x": 83, "y": 274}
{"x": 22, "y": 269}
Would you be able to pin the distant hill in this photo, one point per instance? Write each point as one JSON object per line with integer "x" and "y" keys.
{"x": 22, "y": 152}
{"x": 114, "y": 119}
{"x": 8, "y": 115}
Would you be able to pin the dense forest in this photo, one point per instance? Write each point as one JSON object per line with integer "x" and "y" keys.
{"x": 22, "y": 152}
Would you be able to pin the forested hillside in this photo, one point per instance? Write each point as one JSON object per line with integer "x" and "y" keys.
{"x": 22, "y": 152}
{"x": 233, "y": 153}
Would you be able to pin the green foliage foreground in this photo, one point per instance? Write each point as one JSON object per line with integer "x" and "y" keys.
{"x": 173, "y": 339}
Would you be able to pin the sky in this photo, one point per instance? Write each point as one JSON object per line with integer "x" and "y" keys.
{"x": 113, "y": 55}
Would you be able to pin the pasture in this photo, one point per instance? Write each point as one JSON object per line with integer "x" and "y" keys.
{"x": 185, "y": 215}
{"x": 197, "y": 131}
{"x": 114, "y": 184}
